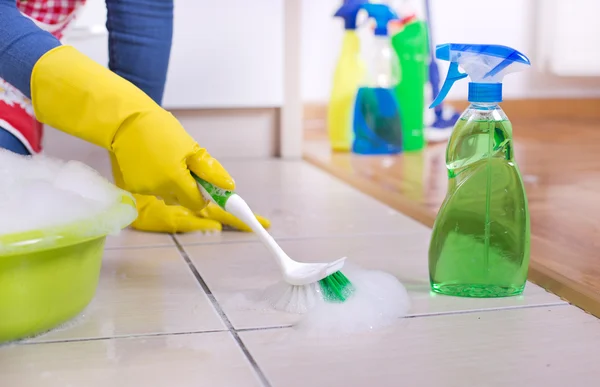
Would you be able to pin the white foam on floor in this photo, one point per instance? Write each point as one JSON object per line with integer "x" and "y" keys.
{"x": 40, "y": 192}
{"x": 250, "y": 300}
{"x": 379, "y": 300}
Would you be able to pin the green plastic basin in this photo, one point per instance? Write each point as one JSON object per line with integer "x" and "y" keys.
{"x": 49, "y": 276}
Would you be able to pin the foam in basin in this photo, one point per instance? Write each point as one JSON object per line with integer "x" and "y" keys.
{"x": 39, "y": 192}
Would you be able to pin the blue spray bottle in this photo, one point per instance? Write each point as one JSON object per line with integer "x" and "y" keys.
{"x": 480, "y": 241}
{"x": 376, "y": 123}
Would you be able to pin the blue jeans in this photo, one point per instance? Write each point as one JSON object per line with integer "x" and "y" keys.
{"x": 139, "y": 42}
{"x": 140, "y": 36}
{"x": 10, "y": 142}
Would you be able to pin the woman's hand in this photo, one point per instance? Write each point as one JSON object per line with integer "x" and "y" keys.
{"x": 156, "y": 216}
{"x": 155, "y": 156}
{"x": 153, "y": 152}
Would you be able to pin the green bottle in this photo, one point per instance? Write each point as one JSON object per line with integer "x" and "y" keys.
{"x": 481, "y": 236}
{"x": 411, "y": 46}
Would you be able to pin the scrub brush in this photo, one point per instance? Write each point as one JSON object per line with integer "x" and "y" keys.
{"x": 303, "y": 281}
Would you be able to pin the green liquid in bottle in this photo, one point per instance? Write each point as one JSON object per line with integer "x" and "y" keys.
{"x": 480, "y": 242}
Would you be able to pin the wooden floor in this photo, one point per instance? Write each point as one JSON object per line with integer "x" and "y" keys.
{"x": 560, "y": 164}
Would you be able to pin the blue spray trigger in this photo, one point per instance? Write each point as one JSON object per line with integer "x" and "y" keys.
{"x": 515, "y": 56}
{"x": 485, "y": 64}
{"x": 453, "y": 75}
{"x": 442, "y": 51}
{"x": 382, "y": 14}
{"x": 348, "y": 11}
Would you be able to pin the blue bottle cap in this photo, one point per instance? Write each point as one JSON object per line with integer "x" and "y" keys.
{"x": 485, "y": 92}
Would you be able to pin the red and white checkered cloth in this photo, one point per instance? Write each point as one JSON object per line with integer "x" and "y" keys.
{"x": 16, "y": 112}
{"x": 54, "y": 15}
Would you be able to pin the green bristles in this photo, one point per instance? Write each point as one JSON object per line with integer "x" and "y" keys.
{"x": 336, "y": 287}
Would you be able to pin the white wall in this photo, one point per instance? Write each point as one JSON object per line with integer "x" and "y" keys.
{"x": 523, "y": 24}
{"x": 224, "y": 55}
{"x": 233, "y": 68}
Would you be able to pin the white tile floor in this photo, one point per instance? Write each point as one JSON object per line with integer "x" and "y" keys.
{"x": 168, "y": 311}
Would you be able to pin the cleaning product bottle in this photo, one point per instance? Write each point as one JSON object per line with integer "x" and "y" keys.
{"x": 377, "y": 128}
{"x": 348, "y": 73}
{"x": 480, "y": 241}
{"x": 411, "y": 46}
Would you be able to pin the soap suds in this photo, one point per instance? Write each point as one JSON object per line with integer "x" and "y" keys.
{"x": 247, "y": 301}
{"x": 378, "y": 301}
{"x": 80, "y": 319}
{"x": 40, "y": 192}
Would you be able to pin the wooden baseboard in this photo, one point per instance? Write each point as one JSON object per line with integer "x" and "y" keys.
{"x": 559, "y": 109}
{"x": 315, "y": 111}
{"x": 234, "y": 133}
{"x": 516, "y": 109}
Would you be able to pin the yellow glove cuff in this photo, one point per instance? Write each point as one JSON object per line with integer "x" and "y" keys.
{"x": 72, "y": 93}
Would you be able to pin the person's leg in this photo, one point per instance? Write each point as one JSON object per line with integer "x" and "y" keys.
{"x": 140, "y": 35}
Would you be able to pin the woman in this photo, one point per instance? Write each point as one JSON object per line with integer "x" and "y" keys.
{"x": 117, "y": 109}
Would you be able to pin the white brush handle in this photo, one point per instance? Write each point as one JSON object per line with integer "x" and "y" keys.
{"x": 238, "y": 207}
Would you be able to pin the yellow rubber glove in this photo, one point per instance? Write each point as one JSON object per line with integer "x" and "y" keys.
{"x": 155, "y": 154}
{"x": 155, "y": 216}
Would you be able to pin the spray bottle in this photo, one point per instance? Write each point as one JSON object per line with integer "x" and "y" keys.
{"x": 411, "y": 46}
{"x": 377, "y": 127}
{"x": 348, "y": 73}
{"x": 481, "y": 236}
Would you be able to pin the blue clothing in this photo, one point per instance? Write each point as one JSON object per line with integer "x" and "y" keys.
{"x": 139, "y": 42}
{"x": 140, "y": 35}
{"x": 13, "y": 144}
{"x": 22, "y": 43}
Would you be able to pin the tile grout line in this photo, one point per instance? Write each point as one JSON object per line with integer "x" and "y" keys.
{"x": 118, "y": 337}
{"x": 138, "y": 247}
{"x": 495, "y": 309}
{"x": 261, "y": 376}
{"x": 437, "y": 314}
{"x": 160, "y": 334}
{"x": 264, "y": 328}
{"x": 296, "y": 238}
